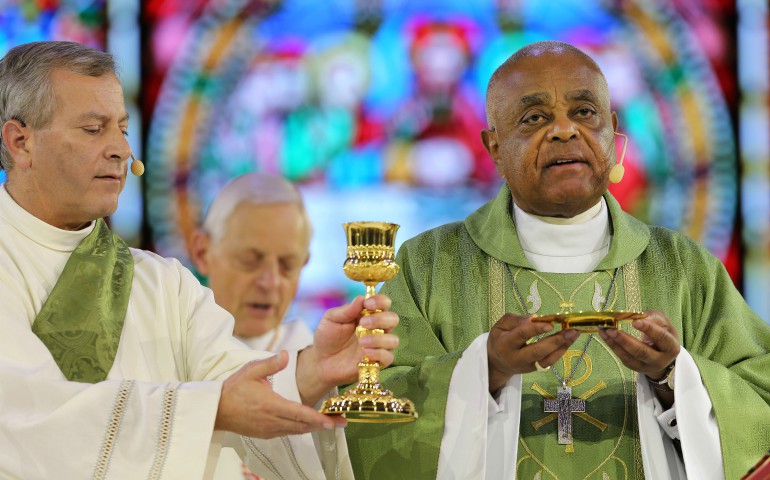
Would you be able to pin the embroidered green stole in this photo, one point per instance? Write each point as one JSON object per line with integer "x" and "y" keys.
{"x": 82, "y": 319}
{"x": 606, "y": 439}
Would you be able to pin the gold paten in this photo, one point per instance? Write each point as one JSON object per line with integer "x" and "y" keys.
{"x": 590, "y": 321}
{"x": 371, "y": 260}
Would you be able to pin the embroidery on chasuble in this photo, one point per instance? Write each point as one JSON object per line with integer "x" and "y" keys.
{"x": 604, "y": 419}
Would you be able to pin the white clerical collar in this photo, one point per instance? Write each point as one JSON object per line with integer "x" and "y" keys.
{"x": 37, "y": 230}
{"x": 572, "y": 245}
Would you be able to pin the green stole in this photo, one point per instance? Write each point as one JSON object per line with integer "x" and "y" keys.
{"x": 82, "y": 318}
{"x": 606, "y": 438}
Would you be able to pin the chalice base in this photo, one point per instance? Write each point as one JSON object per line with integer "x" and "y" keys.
{"x": 363, "y": 404}
{"x": 368, "y": 402}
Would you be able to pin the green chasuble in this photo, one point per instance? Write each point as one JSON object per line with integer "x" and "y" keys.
{"x": 82, "y": 318}
{"x": 454, "y": 283}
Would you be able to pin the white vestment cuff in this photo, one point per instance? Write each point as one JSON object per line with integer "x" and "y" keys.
{"x": 696, "y": 421}
{"x": 474, "y": 445}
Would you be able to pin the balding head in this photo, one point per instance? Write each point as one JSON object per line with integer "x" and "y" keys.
{"x": 253, "y": 189}
{"x": 551, "y": 129}
{"x": 252, "y": 247}
{"x": 537, "y": 49}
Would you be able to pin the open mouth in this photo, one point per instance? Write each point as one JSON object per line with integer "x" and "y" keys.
{"x": 261, "y": 307}
{"x": 565, "y": 161}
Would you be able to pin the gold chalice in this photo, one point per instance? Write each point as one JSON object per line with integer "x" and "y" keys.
{"x": 371, "y": 260}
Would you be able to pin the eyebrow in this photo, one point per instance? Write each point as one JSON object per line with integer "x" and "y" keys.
{"x": 583, "y": 94}
{"x": 534, "y": 99}
{"x": 100, "y": 118}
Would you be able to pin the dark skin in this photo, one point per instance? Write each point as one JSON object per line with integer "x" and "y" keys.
{"x": 551, "y": 137}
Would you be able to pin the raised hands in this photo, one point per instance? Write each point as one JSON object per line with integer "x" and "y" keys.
{"x": 336, "y": 351}
{"x": 509, "y": 353}
{"x": 248, "y": 406}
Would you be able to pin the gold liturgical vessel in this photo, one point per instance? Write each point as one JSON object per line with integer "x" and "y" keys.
{"x": 371, "y": 260}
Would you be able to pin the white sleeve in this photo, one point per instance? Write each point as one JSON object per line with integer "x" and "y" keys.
{"x": 695, "y": 421}
{"x": 307, "y": 457}
{"x": 691, "y": 419}
{"x": 480, "y": 433}
{"x": 53, "y": 428}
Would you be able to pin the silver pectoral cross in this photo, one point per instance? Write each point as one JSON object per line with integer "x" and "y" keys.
{"x": 564, "y": 405}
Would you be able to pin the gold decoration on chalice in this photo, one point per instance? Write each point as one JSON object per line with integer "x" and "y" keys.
{"x": 371, "y": 260}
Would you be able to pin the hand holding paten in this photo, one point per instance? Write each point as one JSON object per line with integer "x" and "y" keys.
{"x": 513, "y": 347}
{"x": 654, "y": 353}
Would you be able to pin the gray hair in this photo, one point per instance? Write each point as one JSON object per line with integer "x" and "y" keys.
{"x": 532, "y": 50}
{"x": 26, "y": 93}
{"x": 254, "y": 189}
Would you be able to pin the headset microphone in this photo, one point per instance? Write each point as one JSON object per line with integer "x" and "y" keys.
{"x": 137, "y": 167}
{"x": 618, "y": 170}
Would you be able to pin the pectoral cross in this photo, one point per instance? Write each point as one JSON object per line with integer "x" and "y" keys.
{"x": 564, "y": 405}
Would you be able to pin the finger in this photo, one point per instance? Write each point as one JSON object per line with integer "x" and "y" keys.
{"x": 658, "y": 335}
{"x": 386, "y": 321}
{"x": 635, "y": 354}
{"x": 302, "y": 418}
{"x": 548, "y": 350}
{"x": 384, "y": 357}
{"x": 377, "y": 302}
{"x": 386, "y": 341}
{"x": 348, "y": 313}
{"x": 269, "y": 366}
{"x": 662, "y": 319}
{"x": 509, "y": 321}
{"x": 527, "y": 332}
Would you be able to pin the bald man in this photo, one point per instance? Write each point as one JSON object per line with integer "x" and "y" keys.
{"x": 681, "y": 393}
{"x": 252, "y": 246}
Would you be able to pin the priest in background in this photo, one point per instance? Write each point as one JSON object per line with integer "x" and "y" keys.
{"x": 252, "y": 247}
{"x": 681, "y": 393}
{"x": 115, "y": 362}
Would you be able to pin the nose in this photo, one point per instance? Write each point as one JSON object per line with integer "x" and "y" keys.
{"x": 118, "y": 147}
{"x": 268, "y": 275}
{"x": 562, "y": 129}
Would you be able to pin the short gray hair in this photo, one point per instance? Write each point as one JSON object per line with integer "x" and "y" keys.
{"x": 26, "y": 93}
{"x": 254, "y": 189}
{"x": 535, "y": 49}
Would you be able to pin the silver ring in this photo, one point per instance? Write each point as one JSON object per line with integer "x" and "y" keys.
{"x": 541, "y": 368}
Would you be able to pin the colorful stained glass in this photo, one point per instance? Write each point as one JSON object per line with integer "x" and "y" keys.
{"x": 375, "y": 109}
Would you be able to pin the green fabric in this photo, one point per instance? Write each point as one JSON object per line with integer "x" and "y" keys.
{"x": 442, "y": 292}
{"x": 82, "y": 319}
{"x": 606, "y": 438}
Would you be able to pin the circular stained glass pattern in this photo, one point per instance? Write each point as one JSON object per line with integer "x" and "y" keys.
{"x": 375, "y": 108}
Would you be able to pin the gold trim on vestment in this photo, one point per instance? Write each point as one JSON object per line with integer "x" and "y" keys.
{"x": 496, "y": 291}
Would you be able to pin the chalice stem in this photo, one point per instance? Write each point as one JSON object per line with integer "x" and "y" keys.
{"x": 368, "y": 374}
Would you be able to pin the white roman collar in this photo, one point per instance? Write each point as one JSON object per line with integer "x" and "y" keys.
{"x": 571, "y": 245}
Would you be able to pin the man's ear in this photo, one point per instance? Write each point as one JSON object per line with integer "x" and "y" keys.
{"x": 18, "y": 141}
{"x": 489, "y": 139}
{"x": 200, "y": 243}
{"x": 614, "y": 121}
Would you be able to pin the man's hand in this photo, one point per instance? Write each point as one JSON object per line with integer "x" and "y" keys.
{"x": 508, "y": 353}
{"x": 652, "y": 354}
{"x": 333, "y": 358}
{"x": 248, "y": 406}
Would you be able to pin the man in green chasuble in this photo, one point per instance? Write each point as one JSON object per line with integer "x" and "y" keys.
{"x": 682, "y": 392}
